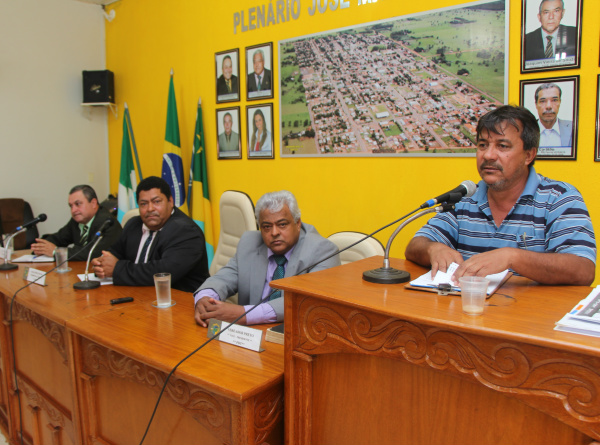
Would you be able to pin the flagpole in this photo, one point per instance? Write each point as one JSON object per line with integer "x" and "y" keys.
{"x": 191, "y": 179}
{"x": 130, "y": 128}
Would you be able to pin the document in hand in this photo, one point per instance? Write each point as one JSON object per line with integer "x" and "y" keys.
{"x": 425, "y": 282}
{"x": 584, "y": 318}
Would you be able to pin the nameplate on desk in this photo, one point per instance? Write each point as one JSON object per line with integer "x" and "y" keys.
{"x": 35, "y": 276}
{"x": 236, "y": 334}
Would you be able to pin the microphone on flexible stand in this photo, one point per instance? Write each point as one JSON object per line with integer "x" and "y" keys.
{"x": 389, "y": 275}
{"x": 10, "y": 266}
{"x": 87, "y": 284}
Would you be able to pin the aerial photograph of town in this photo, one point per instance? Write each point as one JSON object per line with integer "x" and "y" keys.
{"x": 407, "y": 86}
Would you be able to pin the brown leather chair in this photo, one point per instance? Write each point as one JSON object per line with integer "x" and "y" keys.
{"x": 13, "y": 213}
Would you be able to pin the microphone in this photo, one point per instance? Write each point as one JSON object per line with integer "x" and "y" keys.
{"x": 18, "y": 230}
{"x": 104, "y": 227}
{"x": 87, "y": 284}
{"x": 41, "y": 218}
{"x": 466, "y": 188}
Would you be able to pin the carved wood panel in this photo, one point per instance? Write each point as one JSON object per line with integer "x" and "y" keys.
{"x": 39, "y": 401}
{"x": 268, "y": 410}
{"x": 562, "y": 384}
{"x": 211, "y": 411}
{"x": 54, "y": 332}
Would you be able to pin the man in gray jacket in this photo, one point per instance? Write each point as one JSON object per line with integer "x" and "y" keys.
{"x": 283, "y": 247}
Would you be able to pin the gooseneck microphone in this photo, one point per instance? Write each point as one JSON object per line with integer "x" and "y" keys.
{"x": 87, "y": 284}
{"x": 9, "y": 266}
{"x": 466, "y": 188}
{"x": 389, "y": 275}
{"x": 41, "y": 218}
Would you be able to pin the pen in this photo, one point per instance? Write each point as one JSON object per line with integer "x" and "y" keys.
{"x": 524, "y": 240}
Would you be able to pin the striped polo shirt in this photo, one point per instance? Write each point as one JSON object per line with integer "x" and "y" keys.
{"x": 549, "y": 216}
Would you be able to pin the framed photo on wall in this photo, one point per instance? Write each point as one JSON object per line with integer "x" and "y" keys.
{"x": 260, "y": 131}
{"x": 597, "y": 146}
{"x": 550, "y": 35}
{"x": 227, "y": 69}
{"x": 259, "y": 66}
{"x": 555, "y": 104}
{"x": 229, "y": 136}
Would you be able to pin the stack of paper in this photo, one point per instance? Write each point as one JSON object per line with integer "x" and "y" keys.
{"x": 584, "y": 318}
{"x": 496, "y": 280}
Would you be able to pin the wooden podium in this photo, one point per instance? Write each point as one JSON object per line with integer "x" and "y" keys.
{"x": 368, "y": 363}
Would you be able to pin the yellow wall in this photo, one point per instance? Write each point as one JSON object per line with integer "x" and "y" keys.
{"x": 149, "y": 37}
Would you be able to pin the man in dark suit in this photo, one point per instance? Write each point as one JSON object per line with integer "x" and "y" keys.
{"x": 260, "y": 79}
{"x": 551, "y": 39}
{"x": 227, "y": 83}
{"x": 87, "y": 216}
{"x": 284, "y": 246}
{"x": 161, "y": 239}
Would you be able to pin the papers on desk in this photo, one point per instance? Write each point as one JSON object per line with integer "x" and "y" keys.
{"x": 584, "y": 318}
{"x": 93, "y": 277}
{"x": 427, "y": 283}
{"x": 34, "y": 259}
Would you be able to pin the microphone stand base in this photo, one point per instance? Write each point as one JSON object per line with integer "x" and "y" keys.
{"x": 8, "y": 266}
{"x": 84, "y": 285}
{"x": 386, "y": 276}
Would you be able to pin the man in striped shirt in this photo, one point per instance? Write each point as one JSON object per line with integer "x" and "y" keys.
{"x": 517, "y": 219}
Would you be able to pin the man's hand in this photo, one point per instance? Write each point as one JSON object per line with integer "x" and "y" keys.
{"x": 441, "y": 256}
{"x": 43, "y": 247}
{"x": 105, "y": 265}
{"x": 486, "y": 263}
{"x": 208, "y": 307}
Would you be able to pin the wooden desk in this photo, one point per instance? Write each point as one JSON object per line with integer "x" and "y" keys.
{"x": 90, "y": 372}
{"x": 369, "y": 363}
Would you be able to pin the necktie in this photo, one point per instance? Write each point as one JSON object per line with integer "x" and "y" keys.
{"x": 228, "y": 86}
{"x": 549, "y": 54}
{"x": 259, "y": 82}
{"x": 84, "y": 232}
{"x": 142, "y": 258}
{"x": 279, "y": 273}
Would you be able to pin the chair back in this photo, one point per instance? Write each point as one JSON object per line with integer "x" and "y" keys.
{"x": 237, "y": 216}
{"x": 129, "y": 214}
{"x": 365, "y": 249}
{"x": 13, "y": 213}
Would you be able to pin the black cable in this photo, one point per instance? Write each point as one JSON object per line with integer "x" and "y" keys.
{"x": 251, "y": 309}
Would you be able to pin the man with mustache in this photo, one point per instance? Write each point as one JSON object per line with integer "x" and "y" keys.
{"x": 161, "y": 239}
{"x": 517, "y": 219}
{"x": 554, "y": 132}
{"x": 87, "y": 216}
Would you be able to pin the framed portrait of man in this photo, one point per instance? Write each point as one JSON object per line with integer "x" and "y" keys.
{"x": 259, "y": 74}
{"x": 550, "y": 35}
{"x": 555, "y": 104}
{"x": 260, "y": 131}
{"x": 229, "y": 137}
{"x": 227, "y": 69}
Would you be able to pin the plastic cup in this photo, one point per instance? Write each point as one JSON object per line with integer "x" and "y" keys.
{"x": 473, "y": 291}
{"x": 162, "y": 282}
{"x": 62, "y": 254}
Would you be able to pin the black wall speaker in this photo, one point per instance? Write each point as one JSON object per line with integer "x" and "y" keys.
{"x": 98, "y": 86}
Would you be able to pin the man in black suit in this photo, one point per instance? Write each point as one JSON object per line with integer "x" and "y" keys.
{"x": 161, "y": 239}
{"x": 227, "y": 83}
{"x": 551, "y": 39}
{"x": 87, "y": 216}
{"x": 260, "y": 79}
